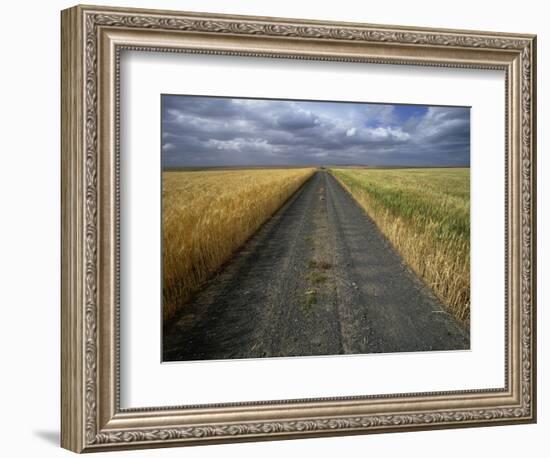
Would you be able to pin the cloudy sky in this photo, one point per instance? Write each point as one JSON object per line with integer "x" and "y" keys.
{"x": 202, "y": 131}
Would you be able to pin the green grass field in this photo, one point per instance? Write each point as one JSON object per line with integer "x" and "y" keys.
{"x": 425, "y": 214}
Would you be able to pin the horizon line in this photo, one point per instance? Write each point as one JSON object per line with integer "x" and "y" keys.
{"x": 270, "y": 166}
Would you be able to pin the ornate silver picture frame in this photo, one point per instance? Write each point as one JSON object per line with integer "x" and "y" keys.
{"x": 93, "y": 39}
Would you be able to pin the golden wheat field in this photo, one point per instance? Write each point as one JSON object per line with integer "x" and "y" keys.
{"x": 425, "y": 214}
{"x": 208, "y": 215}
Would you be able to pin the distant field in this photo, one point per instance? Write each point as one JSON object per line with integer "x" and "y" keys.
{"x": 425, "y": 213}
{"x": 207, "y": 215}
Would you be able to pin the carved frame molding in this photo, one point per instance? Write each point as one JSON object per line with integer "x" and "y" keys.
{"x": 92, "y": 39}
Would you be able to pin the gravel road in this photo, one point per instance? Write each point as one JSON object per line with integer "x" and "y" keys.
{"x": 317, "y": 279}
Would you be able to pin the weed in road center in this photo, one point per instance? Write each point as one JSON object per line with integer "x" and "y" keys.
{"x": 320, "y": 265}
{"x": 310, "y": 300}
{"x": 316, "y": 278}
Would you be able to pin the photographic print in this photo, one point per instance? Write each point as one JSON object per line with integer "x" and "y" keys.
{"x": 308, "y": 228}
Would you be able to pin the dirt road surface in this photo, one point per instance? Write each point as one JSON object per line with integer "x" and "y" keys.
{"x": 317, "y": 279}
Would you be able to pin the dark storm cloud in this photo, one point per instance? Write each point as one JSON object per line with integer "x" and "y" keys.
{"x": 211, "y": 131}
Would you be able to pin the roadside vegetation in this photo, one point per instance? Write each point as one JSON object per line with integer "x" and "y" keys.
{"x": 425, "y": 214}
{"x": 208, "y": 215}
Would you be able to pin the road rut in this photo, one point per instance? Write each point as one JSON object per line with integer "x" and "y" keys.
{"x": 318, "y": 278}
